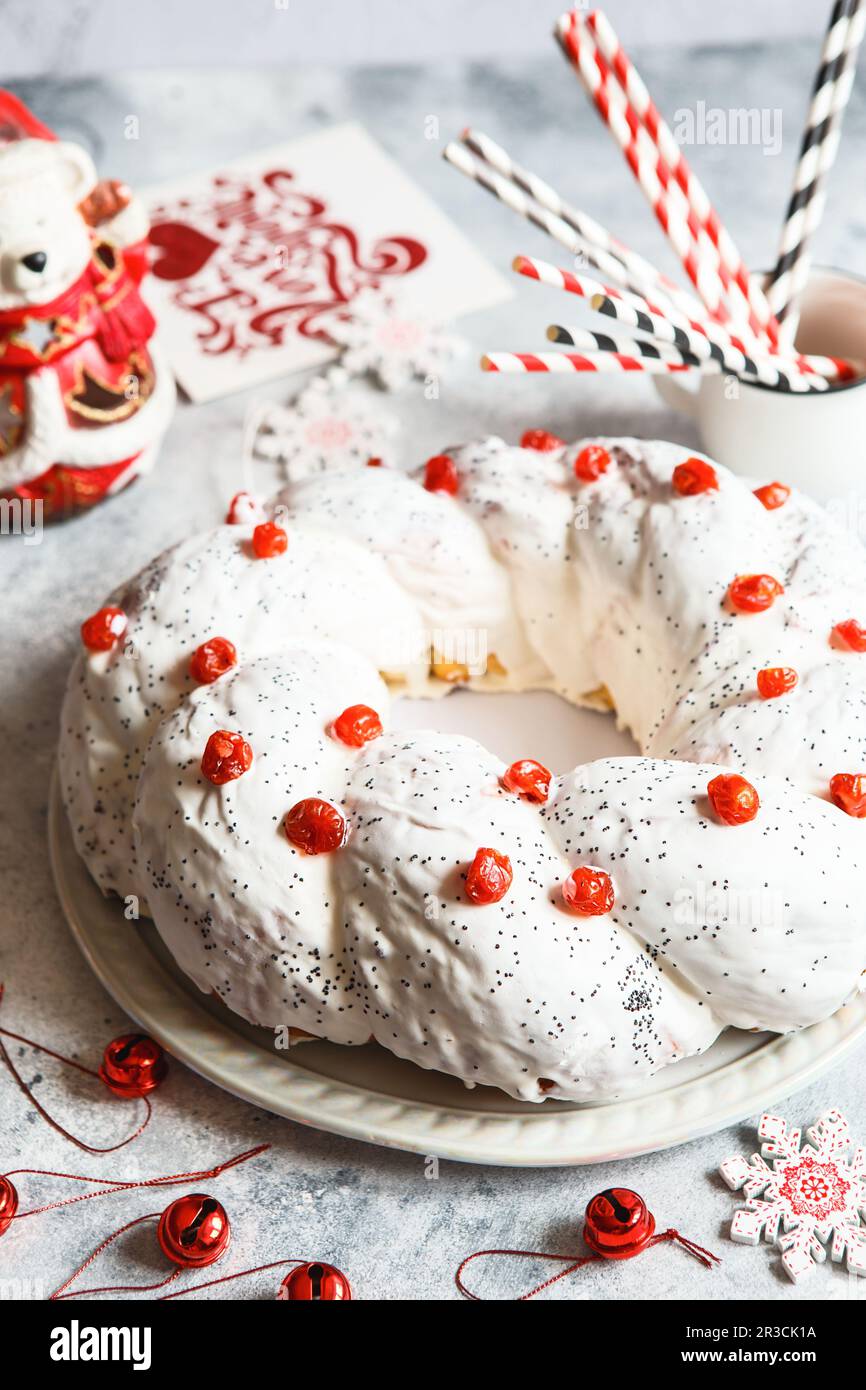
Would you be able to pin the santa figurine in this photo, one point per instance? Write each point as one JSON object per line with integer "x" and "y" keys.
{"x": 85, "y": 395}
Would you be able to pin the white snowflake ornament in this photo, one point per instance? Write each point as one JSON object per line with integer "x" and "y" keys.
{"x": 809, "y": 1201}
{"x": 330, "y": 426}
{"x": 390, "y": 343}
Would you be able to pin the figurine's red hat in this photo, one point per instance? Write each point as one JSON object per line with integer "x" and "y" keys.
{"x": 18, "y": 123}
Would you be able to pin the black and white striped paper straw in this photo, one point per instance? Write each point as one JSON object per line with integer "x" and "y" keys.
{"x": 830, "y": 93}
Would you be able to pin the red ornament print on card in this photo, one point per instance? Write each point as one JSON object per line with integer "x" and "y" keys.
{"x": 254, "y": 263}
{"x": 268, "y": 259}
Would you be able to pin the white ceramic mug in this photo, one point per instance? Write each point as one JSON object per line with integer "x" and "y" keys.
{"x": 815, "y": 441}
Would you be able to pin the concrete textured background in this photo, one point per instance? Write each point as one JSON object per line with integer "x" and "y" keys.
{"x": 93, "y": 36}
{"x": 373, "y": 1212}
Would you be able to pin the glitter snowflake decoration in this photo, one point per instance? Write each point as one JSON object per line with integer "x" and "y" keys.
{"x": 809, "y": 1201}
{"x": 390, "y": 343}
{"x": 330, "y": 426}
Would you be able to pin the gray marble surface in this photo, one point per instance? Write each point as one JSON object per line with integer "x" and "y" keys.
{"x": 373, "y": 1212}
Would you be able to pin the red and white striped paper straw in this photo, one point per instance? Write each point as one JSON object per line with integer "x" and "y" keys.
{"x": 647, "y": 112}
{"x": 576, "y": 362}
{"x": 651, "y": 173}
{"x": 705, "y": 341}
{"x": 707, "y": 253}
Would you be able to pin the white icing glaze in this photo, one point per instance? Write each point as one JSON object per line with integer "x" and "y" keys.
{"x": 573, "y": 586}
{"x": 379, "y": 939}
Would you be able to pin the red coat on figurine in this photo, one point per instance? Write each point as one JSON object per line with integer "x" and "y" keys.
{"x": 85, "y": 395}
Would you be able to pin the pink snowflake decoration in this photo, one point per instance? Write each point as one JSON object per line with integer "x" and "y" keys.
{"x": 809, "y": 1201}
{"x": 331, "y": 426}
{"x": 390, "y": 343}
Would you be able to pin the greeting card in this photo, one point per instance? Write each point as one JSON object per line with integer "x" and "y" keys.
{"x": 252, "y": 261}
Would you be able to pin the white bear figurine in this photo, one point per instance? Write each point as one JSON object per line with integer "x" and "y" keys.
{"x": 85, "y": 395}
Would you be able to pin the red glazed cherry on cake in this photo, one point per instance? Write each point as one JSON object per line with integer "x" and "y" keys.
{"x": 212, "y": 659}
{"x": 591, "y": 462}
{"x": 754, "y": 593}
{"x": 693, "y": 477}
{"x": 542, "y": 440}
{"x": 733, "y": 799}
{"x": 528, "y": 778}
{"x": 315, "y": 826}
{"x": 588, "y": 891}
{"x": 440, "y": 474}
{"x": 849, "y": 636}
{"x": 269, "y": 540}
{"x": 774, "y": 681}
{"x": 772, "y": 495}
{"x": 101, "y": 630}
{"x": 848, "y": 790}
{"x": 357, "y": 725}
{"x": 226, "y": 757}
{"x": 489, "y": 877}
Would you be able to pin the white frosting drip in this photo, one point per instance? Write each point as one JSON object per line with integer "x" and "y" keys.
{"x": 573, "y": 586}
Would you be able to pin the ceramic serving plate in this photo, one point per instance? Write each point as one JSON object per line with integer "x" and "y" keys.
{"x": 365, "y": 1092}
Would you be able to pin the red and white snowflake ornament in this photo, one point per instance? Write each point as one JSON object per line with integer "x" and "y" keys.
{"x": 809, "y": 1201}
{"x": 330, "y": 426}
{"x": 390, "y": 343}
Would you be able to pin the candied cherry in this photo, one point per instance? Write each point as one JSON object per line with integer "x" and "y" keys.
{"x": 212, "y": 659}
{"x": 588, "y": 891}
{"x": 440, "y": 474}
{"x": 772, "y": 495}
{"x": 733, "y": 799}
{"x": 226, "y": 757}
{"x": 374, "y": 463}
{"x": 774, "y": 681}
{"x": 315, "y": 826}
{"x": 357, "y": 725}
{"x": 269, "y": 540}
{"x": 754, "y": 593}
{"x": 694, "y": 476}
{"x": 591, "y": 462}
{"x": 489, "y": 877}
{"x": 848, "y": 790}
{"x": 101, "y": 630}
{"x": 542, "y": 440}
{"x": 528, "y": 778}
{"x": 849, "y": 636}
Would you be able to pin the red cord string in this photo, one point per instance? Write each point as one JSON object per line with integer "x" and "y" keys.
{"x": 705, "y": 1257}
{"x": 227, "y": 1278}
{"x": 125, "y": 1184}
{"x": 69, "y": 1062}
{"x": 59, "y": 1293}
{"x": 570, "y": 1260}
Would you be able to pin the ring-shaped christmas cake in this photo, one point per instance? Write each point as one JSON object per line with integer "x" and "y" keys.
{"x": 226, "y": 759}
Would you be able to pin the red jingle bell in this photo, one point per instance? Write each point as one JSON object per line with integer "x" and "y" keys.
{"x": 618, "y": 1223}
{"x": 8, "y": 1203}
{"x": 194, "y": 1231}
{"x": 314, "y": 1283}
{"x": 133, "y": 1065}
